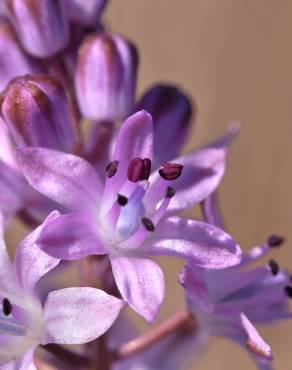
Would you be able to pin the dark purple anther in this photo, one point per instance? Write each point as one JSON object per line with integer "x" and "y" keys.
{"x": 122, "y": 200}
{"x": 6, "y": 307}
{"x": 288, "y": 291}
{"x": 170, "y": 171}
{"x": 149, "y": 226}
{"x": 275, "y": 241}
{"x": 139, "y": 169}
{"x": 112, "y": 168}
{"x": 170, "y": 192}
{"x": 274, "y": 267}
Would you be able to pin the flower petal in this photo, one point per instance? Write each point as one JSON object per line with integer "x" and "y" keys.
{"x": 23, "y": 363}
{"x": 141, "y": 284}
{"x": 211, "y": 211}
{"x": 135, "y": 139}
{"x": 30, "y": 262}
{"x": 65, "y": 178}
{"x": 201, "y": 174}
{"x": 79, "y": 315}
{"x": 201, "y": 244}
{"x": 70, "y": 237}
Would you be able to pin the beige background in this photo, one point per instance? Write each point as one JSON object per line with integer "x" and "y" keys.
{"x": 235, "y": 58}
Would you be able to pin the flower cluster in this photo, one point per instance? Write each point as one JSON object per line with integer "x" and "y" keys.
{"x": 98, "y": 178}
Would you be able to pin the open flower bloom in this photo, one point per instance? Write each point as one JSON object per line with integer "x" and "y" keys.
{"x": 132, "y": 216}
{"x": 68, "y": 316}
{"x": 225, "y": 302}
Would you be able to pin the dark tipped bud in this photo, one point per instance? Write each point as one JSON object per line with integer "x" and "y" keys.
{"x": 37, "y": 112}
{"x": 41, "y": 25}
{"x": 274, "y": 267}
{"x": 288, "y": 291}
{"x": 122, "y": 200}
{"x": 170, "y": 192}
{"x": 139, "y": 169}
{"x": 106, "y": 77}
{"x": 172, "y": 113}
{"x": 85, "y": 12}
{"x": 275, "y": 241}
{"x": 112, "y": 168}
{"x": 171, "y": 171}
{"x": 148, "y": 224}
{"x": 6, "y": 307}
{"x": 13, "y": 60}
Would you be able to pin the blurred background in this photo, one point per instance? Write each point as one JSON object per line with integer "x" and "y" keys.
{"x": 235, "y": 58}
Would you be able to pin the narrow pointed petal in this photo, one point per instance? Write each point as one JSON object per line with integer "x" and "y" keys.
{"x": 70, "y": 237}
{"x": 135, "y": 140}
{"x": 227, "y": 138}
{"x": 79, "y": 315}
{"x": 172, "y": 112}
{"x": 30, "y": 262}
{"x": 201, "y": 244}
{"x": 141, "y": 284}
{"x": 201, "y": 174}
{"x": 65, "y": 178}
{"x": 211, "y": 211}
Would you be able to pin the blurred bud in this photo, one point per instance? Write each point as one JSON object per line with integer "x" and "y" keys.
{"x": 172, "y": 112}
{"x": 13, "y": 60}
{"x": 86, "y": 12}
{"x": 37, "y": 112}
{"x": 106, "y": 77}
{"x": 41, "y": 25}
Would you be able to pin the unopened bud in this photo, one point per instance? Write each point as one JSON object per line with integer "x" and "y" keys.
{"x": 86, "y": 12}
{"x": 41, "y": 25}
{"x": 13, "y": 60}
{"x": 37, "y": 112}
{"x": 106, "y": 77}
{"x": 172, "y": 112}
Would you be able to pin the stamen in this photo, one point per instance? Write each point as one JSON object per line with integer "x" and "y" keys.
{"x": 170, "y": 192}
{"x": 274, "y": 267}
{"x": 6, "y": 307}
{"x": 139, "y": 169}
{"x": 255, "y": 348}
{"x": 170, "y": 171}
{"x": 112, "y": 168}
{"x": 149, "y": 226}
{"x": 275, "y": 241}
{"x": 122, "y": 200}
{"x": 288, "y": 291}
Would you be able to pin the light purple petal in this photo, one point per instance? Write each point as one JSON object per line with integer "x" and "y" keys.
{"x": 201, "y": 174}
{"x": 79, "y": 315}
{"x": 30, "y": 262}
{"x": 227, "y": 138}
{"x": 65, "y": 178}
{"x": 211, "y": 211}
{"x": 135, "y": 139}
{"x": 71, "y": 236}
{"x": 193, "y": 280}
{"x": 201, "y": 244}
{"x": 141, "y": 284}
{"x": 233, "y": 324}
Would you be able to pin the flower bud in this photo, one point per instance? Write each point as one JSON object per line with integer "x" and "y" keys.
{"x": 41, "y": 25}
{"x": 106, "y": 77}
{"x": 37, "y": 112}
{"x": 172, "y": 112}
{"x": 13, "y": 60}
{"x": 86, "y": 12}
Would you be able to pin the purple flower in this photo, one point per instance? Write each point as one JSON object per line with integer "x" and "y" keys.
{"x": 41, "y": 25}
{"x": 132, "y": 216}
{"x": 226, "y": 302}
{"x": 172, "y": 114}
{"x": 85, "y": 12}
{"x": 106, "y": 77}
{"x": 68, "y": 316}
{"x": 13, "y": 60}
